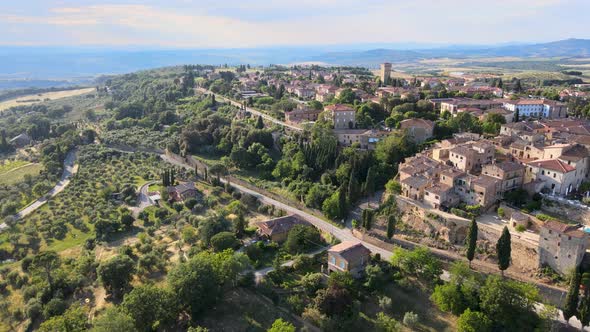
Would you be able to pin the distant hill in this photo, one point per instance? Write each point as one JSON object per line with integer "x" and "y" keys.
{"x": 561, "y": 48}
{"x": 41, "y": 66}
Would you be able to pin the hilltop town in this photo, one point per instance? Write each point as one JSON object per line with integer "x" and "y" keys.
{"x": 318, "y": 197}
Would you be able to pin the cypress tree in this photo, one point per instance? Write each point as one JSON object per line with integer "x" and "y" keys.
{"x": 584, "y": 311}
{"x": 259, "y": 123}
{"x": 516, "y": 116}
{"x": 342, "y": 206}
{"x": 240, "y": 225}
{"x": 370, "y": 183}
{"x": 503, "y": 250}
{"x": 206, "y": 175}
{"x": 370, "y": 219}
{"x": 472, "y": 241}
{"x": 391, "y": 226}
{"x": 352, "y": 188}
{"x": 571, "y": 300}
{"x": 197, "y": 171}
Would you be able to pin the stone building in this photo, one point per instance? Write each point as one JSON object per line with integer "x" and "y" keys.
{"x": 350, "y": 257}
{"x": 561, "y": 246}
{"x": 343, "y": 116}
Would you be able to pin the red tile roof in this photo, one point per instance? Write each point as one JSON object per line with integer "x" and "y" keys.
{"x": 553, "y": 165}
{"x": 338, "y": 108}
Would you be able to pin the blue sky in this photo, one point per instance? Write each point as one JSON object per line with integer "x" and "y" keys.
{"x": 255, "y": 23}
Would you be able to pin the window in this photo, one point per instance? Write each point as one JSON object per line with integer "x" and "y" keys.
{"x": 554, "y": 175}
{"x": 342, "y": 265}
{"x": 333, "y": 260}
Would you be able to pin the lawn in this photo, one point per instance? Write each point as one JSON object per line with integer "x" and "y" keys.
{"x": 37, "y": 98}
{"x": 17, "y": 174}
{"x": 8, "y": 165}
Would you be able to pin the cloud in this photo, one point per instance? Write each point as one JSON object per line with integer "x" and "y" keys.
{"x": 232, "y": 23}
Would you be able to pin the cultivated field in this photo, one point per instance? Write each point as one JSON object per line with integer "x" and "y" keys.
{"x": 37, "y": 98}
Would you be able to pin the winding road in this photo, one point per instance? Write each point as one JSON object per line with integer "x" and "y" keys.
{"x": 70, "y": 168}
{"x": 250, "y": 110}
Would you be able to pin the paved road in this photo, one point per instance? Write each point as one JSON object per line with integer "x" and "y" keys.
{"x": 69, "y": 169}
{"x": 492, "y": 221}
{"x": 143, "y": 199}
{"x": 251, "y": 110}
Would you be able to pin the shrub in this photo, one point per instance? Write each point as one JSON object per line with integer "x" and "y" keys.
{"x": 54, "y": 307}
{"x": 520, "y": 228}
{"x": 224, "y": 240}
{"x": 501, "y": 212}
{"x": 410, "y": 319}
{"x": 385, "y": 303}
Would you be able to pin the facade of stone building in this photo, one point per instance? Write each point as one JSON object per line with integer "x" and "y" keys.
{"x": 561, "y": 246}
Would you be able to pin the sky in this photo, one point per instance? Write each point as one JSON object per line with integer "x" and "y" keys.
{"x": 263, "y": 23}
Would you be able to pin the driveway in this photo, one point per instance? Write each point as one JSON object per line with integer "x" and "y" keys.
{"x": 143, "y": 199}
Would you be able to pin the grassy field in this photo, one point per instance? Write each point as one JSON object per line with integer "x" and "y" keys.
{"x": 17, "y": 174}
{"x": 8, "y": 165}
{"x": 36, "y": 98}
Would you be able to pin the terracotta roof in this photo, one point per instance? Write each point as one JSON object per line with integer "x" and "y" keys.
{"x": 338, "y": 108}
{"x": 350, "y": 250}
{"x": 416, "y": 122}
{"x": 553, "y": 165}
{"x": 485, "y": 181}
{"x": 575, "y": 153}
{"x": 183, "y": 187}
{"x": 415, "y": 181}
{"x": 279, "y": 225}
{"x": 438, "y": 188}
{"x": 562, "y": 228}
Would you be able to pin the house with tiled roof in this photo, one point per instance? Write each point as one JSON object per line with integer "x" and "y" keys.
{"x": 510, "y": 174}
{"x": 277, "y": 229}
{"x": 558, "y": 177}
{"x": 343, "y": 116}
{"x": 561, "y": 246}
{"x": 419, "y": 130}
{"x": 349, "y": 256}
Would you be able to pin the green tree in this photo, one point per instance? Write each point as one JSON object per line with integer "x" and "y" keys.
{"x": 370, "y": 183}
{"x": 509, "y": 304}
{"x": 571, "y": 300}
{"x": 342, "y": 204}
{"x": 224, "y": 240}
{"x": 473, "y": 321}
{"x": 280, "y": 325}
{"x": 45, "y": 264}
{"x": 114, "y": 320}
{"x": 73, "y": 320}
{"x": 503, "y": 250}
{"x": 472, "y": 241}
{"x": 116, "y": 274}
{"x": 151, "y": 308}
{"x": 384, "y": 323}
{"x": 196, "y": 283}
{"x": 419, "y": 262}
{"x": 302, "y": 238}
{"x": 460, "y": 293}
{"x": 516, "y": 117}
{"x": 259, "y": 123}
{"x": 391, "y": 222}
{"x": 584, "y": 306}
